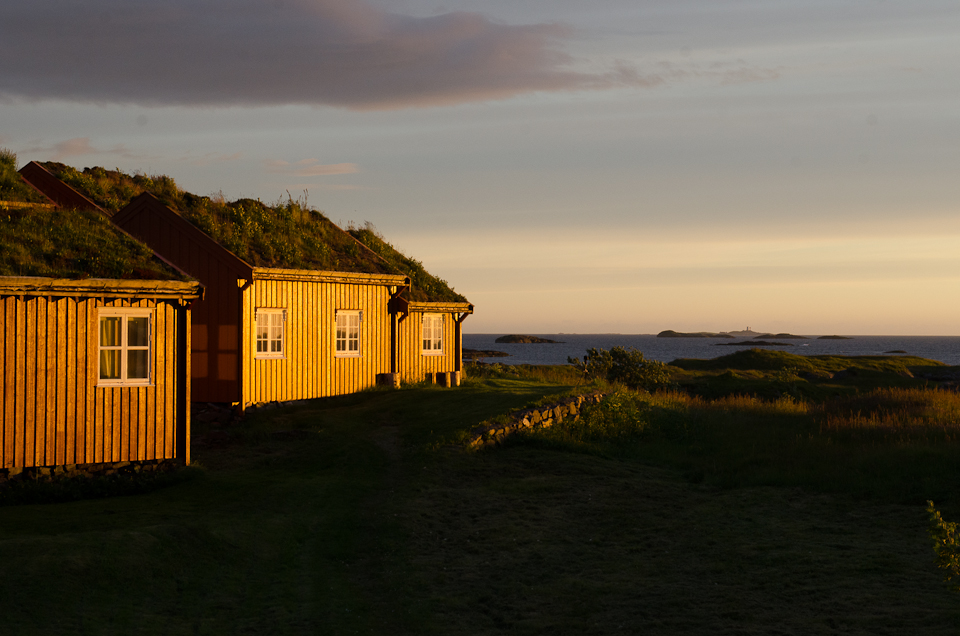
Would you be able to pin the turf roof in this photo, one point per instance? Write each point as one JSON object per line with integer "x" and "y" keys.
{"x": 426, "y": 286}
{"x": 287, "y": 234}
{"x": 12, "y": 187}
{"x": 77, "y": 244}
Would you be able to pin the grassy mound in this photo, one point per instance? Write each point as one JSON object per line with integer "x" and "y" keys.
{"x": 426, "y": 287}
{"x": 352, "y": 515}
{"x": 73, "y": 244}
{"x": 286, "y": 234}
{"x": 767, "y": 360}
{"x": 12, "y": 187}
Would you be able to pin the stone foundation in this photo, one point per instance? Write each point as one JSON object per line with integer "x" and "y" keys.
{"x": 68, "y": 471}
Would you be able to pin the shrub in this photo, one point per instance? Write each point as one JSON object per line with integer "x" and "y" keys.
{"x": 625, "y": 366}
{"x": 946, "y": 544}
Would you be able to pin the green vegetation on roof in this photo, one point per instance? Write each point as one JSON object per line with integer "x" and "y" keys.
{"x": 41, "y": 241}
{"x": 12, "y": 187}
{"x": 287, "y": 234}
{"x": 426, "y": 287}
{"x": 112, "y": 189}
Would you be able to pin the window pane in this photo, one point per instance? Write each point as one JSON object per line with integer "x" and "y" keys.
{"x": 138, "y": 365}
{"x": 110, "y": 331}
{"x": 138, "y": 331}
{"x": 110, "y": 364}
{"x": 263, "y": 331}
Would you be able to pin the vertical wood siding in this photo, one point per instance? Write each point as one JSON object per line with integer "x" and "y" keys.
{"x": 215, "y": 329}
{"x": 413, "y": 366}
{"x": 310, "y": 368}
{"x": 51, "y": 410}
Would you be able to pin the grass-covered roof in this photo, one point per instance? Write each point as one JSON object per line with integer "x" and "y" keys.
{"x": 426, "y": 286}
{"x": 58, "y": 243}
{"x": 288, "y": 234}
{"x": 12, "y": 187}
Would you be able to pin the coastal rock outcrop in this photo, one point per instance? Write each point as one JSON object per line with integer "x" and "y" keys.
{"x": 670, "y": 333}
{"x": 519, "y": 339}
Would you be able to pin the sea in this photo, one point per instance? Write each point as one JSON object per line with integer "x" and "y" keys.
{"x": 946, "y": 349}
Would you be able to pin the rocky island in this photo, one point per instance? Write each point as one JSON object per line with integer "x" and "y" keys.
{"x": 753, "y": 343}
{"x": 782, "y": 336}
{"x": 834, "y": 338}
{"x": 518, "y": 339}
{"x": 669, "y": 333}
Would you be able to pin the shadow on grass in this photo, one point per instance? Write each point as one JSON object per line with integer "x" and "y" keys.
{"x": 893, "y": 453}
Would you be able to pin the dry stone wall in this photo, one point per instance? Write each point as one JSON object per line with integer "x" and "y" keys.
{"x": 532, "y": 419}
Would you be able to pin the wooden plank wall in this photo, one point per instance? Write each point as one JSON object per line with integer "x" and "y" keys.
{"x": 215, "y": 321}
{"x": 309, "y": 368}
{"x": 51, "y": 410}
{"x": 413, "y": 366}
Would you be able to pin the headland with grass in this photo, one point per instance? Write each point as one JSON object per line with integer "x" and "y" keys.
{"x": 759, "y": 492}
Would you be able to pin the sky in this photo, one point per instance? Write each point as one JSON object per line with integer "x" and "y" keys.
{"x": 621, "y": 166}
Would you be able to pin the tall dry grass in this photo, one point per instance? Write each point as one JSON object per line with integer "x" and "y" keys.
{"x": 893, "y": 415}
{"x": 895, "y": 444}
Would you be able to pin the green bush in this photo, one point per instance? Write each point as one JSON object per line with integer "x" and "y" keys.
{"x": 625, "y": 366}
{"x": 946, "y": 544}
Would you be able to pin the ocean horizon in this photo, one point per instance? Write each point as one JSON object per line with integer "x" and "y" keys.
{"x": 945, "y": 349}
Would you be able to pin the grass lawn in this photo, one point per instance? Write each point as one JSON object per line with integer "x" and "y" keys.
{"x": 355, "y": 515}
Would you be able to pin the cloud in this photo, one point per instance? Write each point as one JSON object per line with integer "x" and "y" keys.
{"x": 211, "y": 157}
{"x": 320, "y": 186}
{"x": 344, "y": 53}
{"x": 79, "y": 146}
{"x": 310, "y": 168}
{"x": 724, "y": 73}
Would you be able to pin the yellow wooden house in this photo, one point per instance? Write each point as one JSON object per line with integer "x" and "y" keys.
{"x": 94, "y": 345}
{"x": 294, "y": 307}
{"x": 267, "y": 334}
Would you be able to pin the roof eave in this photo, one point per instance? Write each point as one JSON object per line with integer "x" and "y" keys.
{"x": 100, "y": 287}
{"x": 318, "y": 276}
{"x": 441, "y": 307}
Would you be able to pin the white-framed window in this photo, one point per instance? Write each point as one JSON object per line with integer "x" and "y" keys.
{"x": 348, "y": 332}
{"x": 432, "y": 334}
{"x": 270, "y": 324}
{"x": 125, "y": 346}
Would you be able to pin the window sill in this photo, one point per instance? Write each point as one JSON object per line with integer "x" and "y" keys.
{"x": 431, "y": 353}
{"x": 264, "y": 356}
{"x": 347, "y": 355}
{"x": 124, "y": 385}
